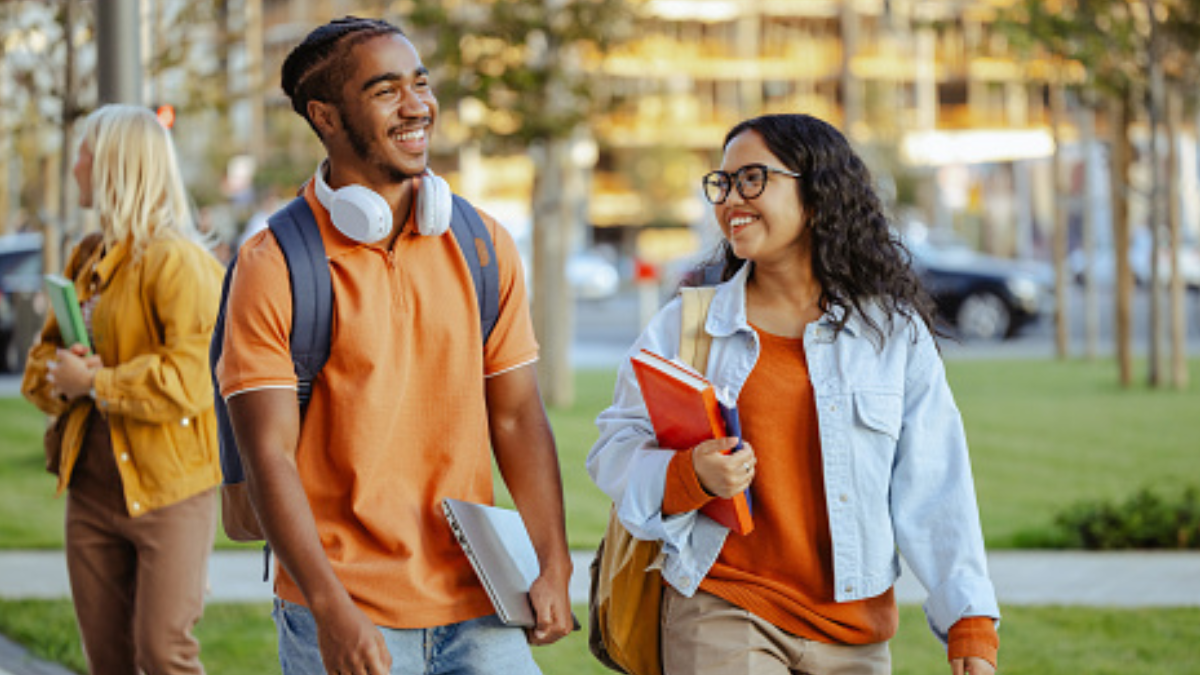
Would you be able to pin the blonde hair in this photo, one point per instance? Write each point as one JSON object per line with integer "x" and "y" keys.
{"x": 137, "y": 189}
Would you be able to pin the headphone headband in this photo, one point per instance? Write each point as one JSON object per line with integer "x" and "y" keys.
{"x": 363, "y": 215}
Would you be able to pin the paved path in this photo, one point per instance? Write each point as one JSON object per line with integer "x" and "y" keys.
{"x": 1134, "y": 579}
{"x": 14, "y": 660}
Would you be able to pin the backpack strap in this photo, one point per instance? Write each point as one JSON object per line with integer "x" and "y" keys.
{"x": 295, "y": 228}
{"x": 711, "y": 274}
{"x": 231, "y": 462}
{"x": 475, "y": 243}
{"x": 694, "y": 341}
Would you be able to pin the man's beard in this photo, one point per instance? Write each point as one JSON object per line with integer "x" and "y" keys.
{"x": 369, "y": 154}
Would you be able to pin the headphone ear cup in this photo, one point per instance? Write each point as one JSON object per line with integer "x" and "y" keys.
{"x": 361, "y": 214}
{"x": 434, "y": 205}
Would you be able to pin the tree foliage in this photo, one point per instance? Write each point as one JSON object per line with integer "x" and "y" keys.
{"x": 1110, "y": 38}
{"x": 522, "y": 59}
{"x": 33, "y": 51}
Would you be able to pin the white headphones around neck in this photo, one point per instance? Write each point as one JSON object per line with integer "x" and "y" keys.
{"x": 363, "y": 215}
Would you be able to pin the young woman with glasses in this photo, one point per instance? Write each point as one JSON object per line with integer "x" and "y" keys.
{"x": 854, "y": 448}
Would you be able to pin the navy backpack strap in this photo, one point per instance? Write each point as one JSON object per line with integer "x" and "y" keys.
{"x": 299, "y": 237}
{"x": 231, "y": 462}
{"x": 479, "y": 251}
{"x": 713, "y": 274}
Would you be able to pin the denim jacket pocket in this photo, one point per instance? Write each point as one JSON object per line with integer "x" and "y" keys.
{"x": 879, "y": 411}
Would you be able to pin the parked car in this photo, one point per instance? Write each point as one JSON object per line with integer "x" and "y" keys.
{"x": 1103, "y": 265}
{"x": 20, "y": 281}
{"x": 592, "y": 276}
{"x": 980, "y": 296}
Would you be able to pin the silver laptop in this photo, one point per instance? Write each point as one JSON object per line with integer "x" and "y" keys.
{"x": 499, "y": 549}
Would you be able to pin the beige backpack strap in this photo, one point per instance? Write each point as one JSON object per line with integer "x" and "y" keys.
{"x": 694, "y": 341}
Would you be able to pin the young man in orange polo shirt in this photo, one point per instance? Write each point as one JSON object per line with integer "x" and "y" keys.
{"x": 371, "y": 579}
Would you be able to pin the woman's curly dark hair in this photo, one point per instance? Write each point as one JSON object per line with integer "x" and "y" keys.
{"x": 856, "y": 257}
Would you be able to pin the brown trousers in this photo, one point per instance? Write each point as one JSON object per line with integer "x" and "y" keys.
{"x": 138, "y": 583}
{"x": 706, "y": 635}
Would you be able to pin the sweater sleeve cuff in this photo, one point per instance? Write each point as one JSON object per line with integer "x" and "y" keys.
{"x": 974, "y": 636}
{"x": 683, "y": 490}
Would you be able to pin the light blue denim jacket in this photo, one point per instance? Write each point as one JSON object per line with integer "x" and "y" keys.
{"x": 897, "y": 471}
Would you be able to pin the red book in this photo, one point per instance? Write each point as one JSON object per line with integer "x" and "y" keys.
{"x": 685, "y": 412}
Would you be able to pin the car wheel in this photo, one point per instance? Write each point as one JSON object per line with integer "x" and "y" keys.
{"x": 983, "y": 316}
{"x": 9, "y": 357}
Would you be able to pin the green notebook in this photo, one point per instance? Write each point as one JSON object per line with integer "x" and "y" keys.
{"x": 65, "y": 303}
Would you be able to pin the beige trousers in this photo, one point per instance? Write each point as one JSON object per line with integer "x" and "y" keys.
{"x": 705, "y": 635}
{"x": 137, "y": 583}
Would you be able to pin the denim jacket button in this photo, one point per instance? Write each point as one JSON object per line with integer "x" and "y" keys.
{"x": 844, "y": 498}
{"x": 849, "y": 588}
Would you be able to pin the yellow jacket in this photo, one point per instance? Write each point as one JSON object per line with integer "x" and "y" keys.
{"x": 152, "y": 325}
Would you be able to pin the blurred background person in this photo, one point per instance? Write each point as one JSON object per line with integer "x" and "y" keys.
{"x": 136, "y": 449}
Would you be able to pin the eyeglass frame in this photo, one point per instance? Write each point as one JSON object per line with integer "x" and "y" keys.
{"x": 735, "y": 181}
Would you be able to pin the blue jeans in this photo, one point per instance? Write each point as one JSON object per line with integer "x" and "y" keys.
{"x": 476, "y": 647}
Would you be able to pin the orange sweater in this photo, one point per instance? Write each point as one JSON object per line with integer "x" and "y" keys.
{"x": 783, "y": 570}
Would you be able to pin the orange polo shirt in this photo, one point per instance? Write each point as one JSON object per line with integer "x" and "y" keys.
{"x": 398, "y": 416}
{"x": 783, "y": 570}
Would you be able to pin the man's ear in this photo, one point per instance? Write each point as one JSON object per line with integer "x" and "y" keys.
{"x": 325, "y": 117}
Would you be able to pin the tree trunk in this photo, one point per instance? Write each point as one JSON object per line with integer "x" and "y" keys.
{"x": 1061, "y": 324}
{"x": 1122, "y": 153}
{"x": 56, "y": 229}
{"x": 8, "y": 152}
{"x": 1091, "y": 305}
{"x": 852, "y": 109}
{"x": 255, "y": 91}
{"x": 1179, "y": 364}
{"x": 555, "y": 195}
{"x": 1154, "y": 216}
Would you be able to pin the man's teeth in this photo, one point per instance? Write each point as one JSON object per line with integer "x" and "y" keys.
{"x": 414, "y": 135}
{"x": 741, "y": 220}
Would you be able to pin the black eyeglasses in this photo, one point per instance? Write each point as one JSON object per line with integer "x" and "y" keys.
{"x": 750, "y": 180}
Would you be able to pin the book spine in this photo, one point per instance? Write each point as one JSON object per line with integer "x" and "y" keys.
{"x": 733, "y": 513}
{"x": 716, "y": 422}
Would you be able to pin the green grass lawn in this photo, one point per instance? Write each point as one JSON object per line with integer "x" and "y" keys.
{"x": 240, "y": 640}
{"x": 1043, "y": 435}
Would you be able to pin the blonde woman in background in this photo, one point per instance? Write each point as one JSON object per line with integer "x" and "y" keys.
{"x": 138, "y": 448}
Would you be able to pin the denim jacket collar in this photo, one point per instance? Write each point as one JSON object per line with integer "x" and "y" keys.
{"x": 727, "y": 315}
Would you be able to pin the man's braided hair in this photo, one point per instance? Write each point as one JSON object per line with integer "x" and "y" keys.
{"x": 316, "y": 67}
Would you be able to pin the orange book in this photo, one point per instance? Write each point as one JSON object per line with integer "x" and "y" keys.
{"x": 685, "y": 412}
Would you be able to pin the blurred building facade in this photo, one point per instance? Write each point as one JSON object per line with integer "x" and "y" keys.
{"x": 953, "y": 121}
{"x": 902, "y": 78}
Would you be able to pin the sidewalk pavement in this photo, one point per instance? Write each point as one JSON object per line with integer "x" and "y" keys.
{"x": 1122, "y": 579}
{"x": 1118, "y": 579}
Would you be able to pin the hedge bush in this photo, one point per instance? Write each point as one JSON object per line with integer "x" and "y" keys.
{"x": 1147, "y": 520}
